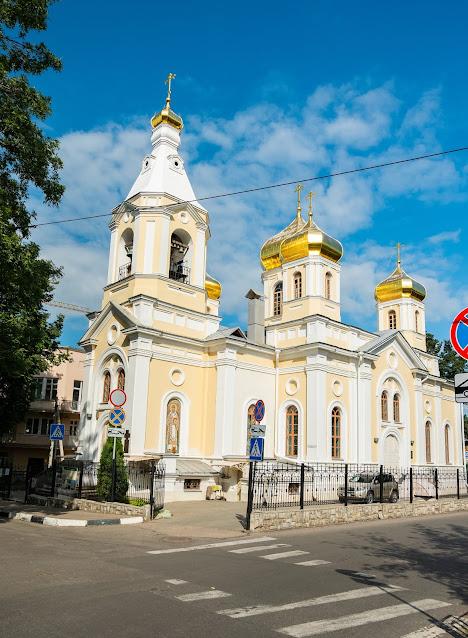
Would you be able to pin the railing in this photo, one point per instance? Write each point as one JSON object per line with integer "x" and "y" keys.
{"x": 276, "y": 485}
{"x": 48, "y": 405}
{"x": 125, "y": 270}
{"x": 179, "y": 272}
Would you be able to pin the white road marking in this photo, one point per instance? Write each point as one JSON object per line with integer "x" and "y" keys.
{"x": 427, "y": 632}
{"x": 211, "y": 545}
{"x": 297, "y": 552}
{"x": 319, "y": 627}
{"x": 176, "y": 581}
{"x": 203, "y": 595}
{"x": 243, "y": 612}
{"x": 312, "y": 563}
{"x": 244, "y": 550}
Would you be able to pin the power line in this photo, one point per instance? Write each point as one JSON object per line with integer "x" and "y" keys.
{"x": 263, "y": 188}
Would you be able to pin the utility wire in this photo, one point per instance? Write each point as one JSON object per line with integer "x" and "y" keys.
{"x": 263, "y": 188}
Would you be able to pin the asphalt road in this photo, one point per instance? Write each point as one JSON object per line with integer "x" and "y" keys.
{"x": 385, "y": 578}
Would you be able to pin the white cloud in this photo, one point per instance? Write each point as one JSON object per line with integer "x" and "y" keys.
{"x": 448, "y": 235}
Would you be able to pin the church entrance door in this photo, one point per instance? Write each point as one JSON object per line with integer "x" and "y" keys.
{"x": 391, "y": 455}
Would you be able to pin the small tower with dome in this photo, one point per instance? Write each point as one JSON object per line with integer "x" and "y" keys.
{"x": 400, "y": 305}
{"x": 301, "y": 272}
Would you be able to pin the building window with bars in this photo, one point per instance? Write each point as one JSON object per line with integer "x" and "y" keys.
{"x": 336, "y": 433}
{"x": 328, "y": 285}
{"x": 297, "y": 285}
{"x": 428, "y": 442}
{"x": 106, "y": 387}
{"x": 250, "y": 422}
{"x": 121, "y": 380}
{"x": 392, "y": 320}
{"x": 384, "y": 406}
{"x": 292, "y": 431}
{"x": 278, "y": 299}
{"x": 396, "y": 408}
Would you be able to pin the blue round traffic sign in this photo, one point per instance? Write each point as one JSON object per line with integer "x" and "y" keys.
{"x": 259, "y": 411}
{"x": 116, "y": 416}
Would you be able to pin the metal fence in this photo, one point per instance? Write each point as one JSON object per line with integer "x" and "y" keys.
{"x": 275, "y": 485}
{"x": 136, "y": 483}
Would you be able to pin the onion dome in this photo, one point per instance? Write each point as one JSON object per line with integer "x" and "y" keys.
{"x": 311, "y": 240}
{"x": 399, "y": 286}
{"x": 270, "y": 255}
{"x": 212, "y": 287}
{"x": 167, "y": 115}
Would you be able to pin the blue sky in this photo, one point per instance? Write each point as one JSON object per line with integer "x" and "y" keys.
{"x": 269, "y": 93}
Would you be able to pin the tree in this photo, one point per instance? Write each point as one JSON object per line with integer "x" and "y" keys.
{"x": 450, "y": 363}
{"x": 104, "y": 477}
{"x": 28, "y": 160}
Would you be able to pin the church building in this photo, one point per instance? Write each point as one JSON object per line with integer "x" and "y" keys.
{"x": 333, "y": 392}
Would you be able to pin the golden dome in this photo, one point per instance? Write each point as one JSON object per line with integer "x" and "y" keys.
{"x": 310, "y": 240}
{"x": 270, "y": 255}
{"x": 167, "y": 115}
{"x": 212, "y": 287}
{"x": 399, "y": 286}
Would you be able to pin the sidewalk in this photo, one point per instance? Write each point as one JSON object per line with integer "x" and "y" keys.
{"x": 60, "y": 517}
{"x": 203, "y": 519}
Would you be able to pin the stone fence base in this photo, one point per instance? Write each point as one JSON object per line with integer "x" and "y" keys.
{"x": 319, "y": 516}
{"x": 92, "y": 506}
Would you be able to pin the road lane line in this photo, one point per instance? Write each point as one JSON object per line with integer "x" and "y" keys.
{"x": 320, "y": 627}
{"x": 312, "y": 563}
{"x": 432, "y": 631}
{"x": 176, "y": 581}
{"x": 203, "y": 595}
{"x": 211, "y": 545}
{"x": 244, "y": 550}
{"x": 352, "y": 594}
{"x": 297, "y": 552}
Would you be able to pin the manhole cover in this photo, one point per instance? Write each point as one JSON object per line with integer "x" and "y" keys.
{"x": 177, "y": 539}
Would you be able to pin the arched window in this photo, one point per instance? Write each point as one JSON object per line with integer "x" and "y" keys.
{"x": 416, "y": 321}
{"x": 278, "y": 298}
{"x": 428, "y": 442}
{"x": 392, "y": 320}
{"x": 292, "y": 430}
{"x": 297, "y": 285}
{"x": 396, "y": 408}
{"x": 173, "y": 426}
{"x": 106, "y": 387}
{"x": 121, "y": 380}
{"x": 384, "y": 405}
{"x": 336, "y": 433}
{"x": 328, "y": 283}
{"x": 447, "y": 444}
{"x": 250, "y": 422}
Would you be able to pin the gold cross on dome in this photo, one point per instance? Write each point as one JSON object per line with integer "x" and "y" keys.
{"x": 309, "y": 197}
{"x": 298, "y": 191}
{"x": 398, "y": 246}
{"x": 170, "y": 77}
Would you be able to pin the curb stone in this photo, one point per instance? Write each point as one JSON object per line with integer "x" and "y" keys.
{"x": 69, "y": 522}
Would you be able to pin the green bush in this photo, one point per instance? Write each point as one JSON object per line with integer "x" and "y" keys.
{"x": 139, "y": 502}
{"x": 104, "y": 477}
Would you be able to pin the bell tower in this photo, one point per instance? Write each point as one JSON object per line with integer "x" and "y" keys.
{"x": 159, "y": 237}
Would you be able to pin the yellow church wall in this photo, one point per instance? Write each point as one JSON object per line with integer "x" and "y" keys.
{"x": 264, "y": 360}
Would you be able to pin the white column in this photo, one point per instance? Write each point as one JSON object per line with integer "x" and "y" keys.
{"x": 88, "y": 443}
{"x": 199, "y": 279}
{"x": 309, "y": 282}
{"x": 365, "y": 420}
{"x": 316, "y": 411}
{"x": 337, "y": 293}
{"x": 319, "y": 280}
{"x": 136, "y": 242}
{"x": 136, "y": 387}
{"x": 149, "y": 247}
{"x": 111, "y": 274}
{"x": 353, "y": 452}
{"x": 420, "y": 444}
{"x": 165, "y": 241}
{"x": 439, "y": 433}
{"x": 224, "y": 417}
{"x": 284, "y": 272}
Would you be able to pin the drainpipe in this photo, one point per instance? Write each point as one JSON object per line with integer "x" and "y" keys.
{"x": 275, "y": 442}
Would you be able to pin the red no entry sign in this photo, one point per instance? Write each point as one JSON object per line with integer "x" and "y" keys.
{"x": 459, "y": 333}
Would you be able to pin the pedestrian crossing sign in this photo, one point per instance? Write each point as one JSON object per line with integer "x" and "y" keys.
{"x": 57, "y": 432}
{"x": 256, "y": 448}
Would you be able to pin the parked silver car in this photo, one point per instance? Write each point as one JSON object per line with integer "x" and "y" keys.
{"x": 366, "y": 487}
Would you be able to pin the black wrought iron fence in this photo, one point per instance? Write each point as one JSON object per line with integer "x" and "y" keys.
{"x": 144, "y": 482}
{"x": 275, "y": 485}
